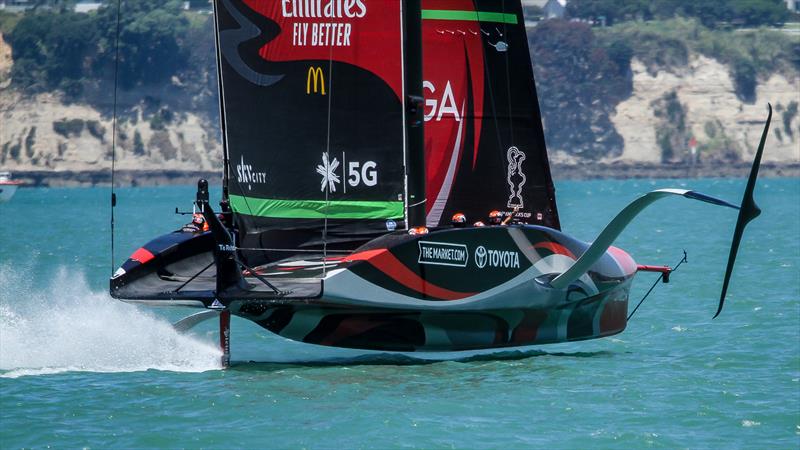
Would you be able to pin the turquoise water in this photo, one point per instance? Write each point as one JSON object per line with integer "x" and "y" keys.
{"x": 78, "y": 369}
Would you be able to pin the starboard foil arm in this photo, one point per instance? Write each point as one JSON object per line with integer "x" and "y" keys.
{"x": 748, "y": 210}
{"x": 618, "y": 224}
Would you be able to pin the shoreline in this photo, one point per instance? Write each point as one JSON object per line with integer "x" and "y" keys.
{"x": 625, "y": 171}
{"x": 588, "y": 171}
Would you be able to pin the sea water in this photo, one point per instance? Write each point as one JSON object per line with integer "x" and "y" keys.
{"x": 79, "y": 369}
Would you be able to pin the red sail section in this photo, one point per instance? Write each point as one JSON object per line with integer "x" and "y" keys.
{"x": 453, "y": 71}
{"x": 365, "y": 33}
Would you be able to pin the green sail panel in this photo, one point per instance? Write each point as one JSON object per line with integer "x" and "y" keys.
{"x": 316, "y": 209}
{"x": 474, "y": 16}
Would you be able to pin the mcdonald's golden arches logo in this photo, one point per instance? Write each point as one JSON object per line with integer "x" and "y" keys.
{"x": 316, "y": 77}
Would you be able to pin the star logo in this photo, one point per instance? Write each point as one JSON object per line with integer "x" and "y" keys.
{"x": 328, "y": 171}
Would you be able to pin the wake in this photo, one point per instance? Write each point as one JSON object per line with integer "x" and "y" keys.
{"x": 65, "y": 326}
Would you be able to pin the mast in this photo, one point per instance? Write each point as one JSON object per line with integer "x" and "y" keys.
{"x": 224, "y": 135}
{"x": 415, "y": 139}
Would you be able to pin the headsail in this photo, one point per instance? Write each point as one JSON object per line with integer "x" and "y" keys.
{"x": 313, "y": 119}
{"x": 484, "y": 144}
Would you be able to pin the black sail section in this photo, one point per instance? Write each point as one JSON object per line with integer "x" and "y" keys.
{"x": 485, "y": 147}
{"x": 313, "y": 121}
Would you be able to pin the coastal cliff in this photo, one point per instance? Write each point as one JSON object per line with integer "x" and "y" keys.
{"x": 662, "y": 119}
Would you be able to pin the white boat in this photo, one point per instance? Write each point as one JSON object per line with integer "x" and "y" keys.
{"x": 7, "y": 186}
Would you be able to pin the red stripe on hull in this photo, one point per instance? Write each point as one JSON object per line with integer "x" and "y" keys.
{"x": 387, "y": 263}
{"x": 626, "y": 263}
{"x": 555, "y": 248}
{"x": 142, "y": 255}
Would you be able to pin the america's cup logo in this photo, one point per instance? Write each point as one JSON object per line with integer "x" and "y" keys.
{"x": 516, "y": 178}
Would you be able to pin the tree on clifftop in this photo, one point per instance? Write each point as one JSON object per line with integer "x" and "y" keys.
{"x": 710, "y": 12}
{"x": 579, "y": 87}
{"x": 50, "y": 50}
{"x": 152, "y": 43}
{"x": 66, "y": 50}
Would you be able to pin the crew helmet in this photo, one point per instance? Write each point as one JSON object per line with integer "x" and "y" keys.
{"x": 459, "y": 220}
{"x": 198, "y": 219}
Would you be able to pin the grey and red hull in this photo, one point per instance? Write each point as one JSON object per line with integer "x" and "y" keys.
{"x": 450, "y": 290}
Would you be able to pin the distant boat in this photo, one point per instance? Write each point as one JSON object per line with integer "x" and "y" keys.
{"x": 8, "y": 186}
{"x": 352, "y": 133}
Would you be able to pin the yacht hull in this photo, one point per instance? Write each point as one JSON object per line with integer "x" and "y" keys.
{"x": 451, "y": 290}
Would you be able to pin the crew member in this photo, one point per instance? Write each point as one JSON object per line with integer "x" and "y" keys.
{"x": 459, "y": 220}
{"x": 495, "y": 217}
{"x": 418, "y": 230}
{"x": 197, "y": 225}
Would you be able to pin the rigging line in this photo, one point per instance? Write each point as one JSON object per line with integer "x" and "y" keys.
{"x": 223, "y": 116}
{"x": 221, "y": 94}
{"x": 659, "y": 279}
{"x": 193, "y": 277}
{"x": 224, "y": 129}
{"x": 488, "y": 75}
{"x": 259, "y": 277}
{"x": 508, "y": 74}
{"x": 114, "y": 131}
{"x": 293, "y": 250}
{"x": 328, "y": 151}
{"x": 418, "y": 203}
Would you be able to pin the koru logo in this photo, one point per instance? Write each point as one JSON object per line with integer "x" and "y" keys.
{"x": 480, "y": 257}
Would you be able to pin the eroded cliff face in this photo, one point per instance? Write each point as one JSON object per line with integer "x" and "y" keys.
{"x": 5, "y": 62}
{"x": 43, "y": 133}
{"x": 713, "y": 112}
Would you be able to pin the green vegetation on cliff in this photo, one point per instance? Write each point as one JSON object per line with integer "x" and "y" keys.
{"x": 583, "y": 73}
{"x": 75, "y": 53}
{"x": 711, "y": 13}
{"x": 166, "y": 61}
{"x": 665, "y": 45}
{"x": 580, "y": 81}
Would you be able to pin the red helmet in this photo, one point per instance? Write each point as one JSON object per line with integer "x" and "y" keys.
{"x": 479, "y": 224}
{"x": 198, "y": 219}
{"x": 459, "y": 220}
{"x": 418, "y": 230}
{"x": 495, "y": 217}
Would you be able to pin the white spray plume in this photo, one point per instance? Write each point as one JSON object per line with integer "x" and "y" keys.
{"x": 65, "y": 326}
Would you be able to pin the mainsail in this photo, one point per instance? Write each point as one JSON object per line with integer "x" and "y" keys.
{"x": 314, "y": 104}
{"x": 484, "y": 144}
{"x": 311, "y": 93}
